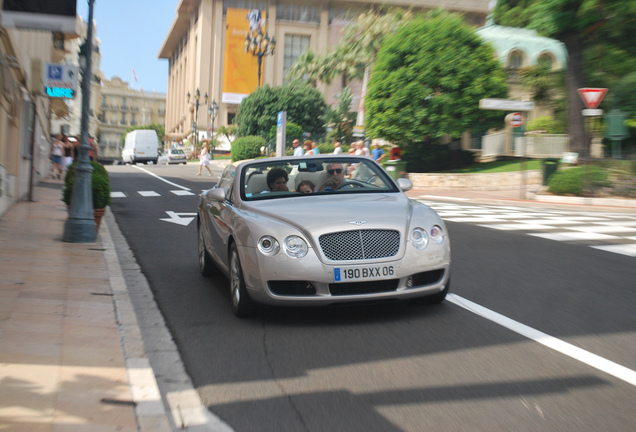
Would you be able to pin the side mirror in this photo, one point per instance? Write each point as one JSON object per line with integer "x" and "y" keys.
{"x": 405, "y": 184}
{"x": 215, "y": 194}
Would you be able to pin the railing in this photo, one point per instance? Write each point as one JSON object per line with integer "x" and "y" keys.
{"x": 547, "y": 145}
{"x": 493, "y": 144}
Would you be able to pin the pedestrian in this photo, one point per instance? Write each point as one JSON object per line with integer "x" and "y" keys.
{"x": 308, "y": 148}
{"x": 93, "y": 152}
{"x": 68, "y": 153}
{"x": 377, "y": 154}
{"x": 336, "y": 148}
{"x": 57, "y": 152}
{"x": 314, "y": 148}
{"x": 396, "y": 153}
{"x": 298, "y": 150}
{"x": 204, "y": 160}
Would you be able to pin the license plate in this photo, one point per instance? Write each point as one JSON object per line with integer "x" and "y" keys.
{"x": 351, "y": 274}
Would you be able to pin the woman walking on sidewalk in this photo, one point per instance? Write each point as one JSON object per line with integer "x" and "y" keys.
{"x": 204, "y": 160}
{"x": 57, "y": 151}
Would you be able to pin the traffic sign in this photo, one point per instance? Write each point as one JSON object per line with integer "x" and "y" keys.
{"x": 592, "y": 112}
{"x": 59, "y": 80}
{"x": 506, "y": 105}
{"x": 592, "y": 97}
{"x": 515, "y": 119}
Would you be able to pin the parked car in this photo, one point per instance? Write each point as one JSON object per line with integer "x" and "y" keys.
{"x": 357, "y": 237}
{"x": 172, "y": 156}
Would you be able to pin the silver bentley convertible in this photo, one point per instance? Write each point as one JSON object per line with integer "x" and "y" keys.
{"x": 320, "y": 230}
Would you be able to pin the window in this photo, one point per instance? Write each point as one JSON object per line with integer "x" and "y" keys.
{"x": 546, "y": 60}
{"x": 516, "y": 60}
{"x": 244, "y": 4}
{"x": 123, "y": 118}
{"x": 295, "y": 45}
{"x": 297, "y": 12}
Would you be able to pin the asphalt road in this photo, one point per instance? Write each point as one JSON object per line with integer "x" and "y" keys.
{"x": 400, "y": 367}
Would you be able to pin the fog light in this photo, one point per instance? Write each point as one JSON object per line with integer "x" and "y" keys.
{"x": 409, "y": 282}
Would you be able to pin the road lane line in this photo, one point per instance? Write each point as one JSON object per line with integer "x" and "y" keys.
{"x": 597, "y": 362}
{"x": 161, "y": 178}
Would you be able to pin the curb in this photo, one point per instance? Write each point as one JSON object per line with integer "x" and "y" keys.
{"x": 165, "y": 396}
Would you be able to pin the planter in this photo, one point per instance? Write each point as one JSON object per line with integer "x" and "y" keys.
{"x": 98, "y": 214}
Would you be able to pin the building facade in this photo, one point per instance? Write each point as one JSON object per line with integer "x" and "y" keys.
{"x": 24, "y": 112}
{"x": 119, "y": 107}
{"x": 205, "y": 50}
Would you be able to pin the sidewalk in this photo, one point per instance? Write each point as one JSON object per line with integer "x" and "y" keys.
{"x": 62, "y": 361}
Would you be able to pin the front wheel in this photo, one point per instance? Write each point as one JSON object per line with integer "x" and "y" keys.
{"x": 242, "y": 305}
{"x": 206, "y": 265}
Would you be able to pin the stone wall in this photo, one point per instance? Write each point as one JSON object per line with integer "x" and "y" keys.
{"x": 487, "y": 181}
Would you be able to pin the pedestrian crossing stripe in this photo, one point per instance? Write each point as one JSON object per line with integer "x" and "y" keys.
{"x": 151, "y": 193}
{"x": 557, "y": 225}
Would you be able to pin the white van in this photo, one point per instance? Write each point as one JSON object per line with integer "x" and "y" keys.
{"x": 141, "y": 145}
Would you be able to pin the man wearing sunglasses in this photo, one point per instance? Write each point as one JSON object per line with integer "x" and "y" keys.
{"x": 335, "y": 180}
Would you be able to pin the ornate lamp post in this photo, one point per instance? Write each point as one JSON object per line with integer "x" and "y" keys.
{"x": 80, "y": 226}
{"x": 213, "y": 110}
{"x": 259, "y": 46}
{"x": 195, "y": 108}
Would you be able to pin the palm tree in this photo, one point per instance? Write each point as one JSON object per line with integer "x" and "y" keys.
{"x": 309, "y": 66}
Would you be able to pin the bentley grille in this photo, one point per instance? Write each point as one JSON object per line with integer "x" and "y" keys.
{"x": 360, "y": 244}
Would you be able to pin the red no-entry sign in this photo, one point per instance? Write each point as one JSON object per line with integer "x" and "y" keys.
{"x": 515, "y": 119}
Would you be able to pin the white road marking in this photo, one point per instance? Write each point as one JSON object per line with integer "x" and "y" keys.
{"x": 605, "y": 229}
{"x": 590, "y": 359}
{"x": 177, "y": 219}
{"x": 181, "y": 192}
{"x": 574, "y": 236}
{"x": 117, "y": 195}
{"x": 445, "y": 197}
{"x": 148, "y": 193}
{"x": 518, "y": 226}
{"x": 623, "y": 249}
{"x": 161, "y": 178}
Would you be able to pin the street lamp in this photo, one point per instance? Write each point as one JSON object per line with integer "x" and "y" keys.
{"x": 213, "y": 110}
{"x": 259, "y": 46}
{"x": 80, "y": 226}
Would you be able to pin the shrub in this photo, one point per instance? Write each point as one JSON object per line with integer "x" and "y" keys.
{"x": 100, "y": 185}
{"x": 429, "y": 157}
{"x": 248, "y": 147}
{"x": 575, "y": 181}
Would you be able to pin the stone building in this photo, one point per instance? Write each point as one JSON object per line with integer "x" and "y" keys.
{"x": 119, "y": 107}
{"x": 205, "y": 50}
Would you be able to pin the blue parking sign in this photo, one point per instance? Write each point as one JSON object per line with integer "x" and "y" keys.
{"x": 55, "y": 72}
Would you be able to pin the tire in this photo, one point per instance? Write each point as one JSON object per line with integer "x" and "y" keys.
{"x": 206, "y": 265}
{"x": 242, "y": 305}
{"x": 436, "y": 298}
{"x": 133, "y": 161}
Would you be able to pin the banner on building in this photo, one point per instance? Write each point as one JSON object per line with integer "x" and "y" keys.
{"x": 240, "y": 69}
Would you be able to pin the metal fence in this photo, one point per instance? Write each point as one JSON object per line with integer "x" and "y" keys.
{"x": 544, "y": 145}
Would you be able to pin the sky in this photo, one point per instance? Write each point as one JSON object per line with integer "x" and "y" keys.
{"x": 131, "y": 33}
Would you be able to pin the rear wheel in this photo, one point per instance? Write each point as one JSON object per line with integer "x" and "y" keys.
{"x": 206, "y": 265}
{"x": 242, "y": 305}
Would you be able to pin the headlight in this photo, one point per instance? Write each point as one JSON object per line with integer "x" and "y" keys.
{"x": 268, "y": 245}
{"x": 295, "y": 246}
{"x": 419, "y": 238}
{"x": 437, "y": 234}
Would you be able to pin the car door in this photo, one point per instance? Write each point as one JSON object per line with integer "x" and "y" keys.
{"x": 218, "y": 217}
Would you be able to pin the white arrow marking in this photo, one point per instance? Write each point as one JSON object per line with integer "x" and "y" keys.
{"x": 176, "y": 218}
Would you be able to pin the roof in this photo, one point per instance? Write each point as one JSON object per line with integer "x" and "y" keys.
{"x": 508, "y": 39}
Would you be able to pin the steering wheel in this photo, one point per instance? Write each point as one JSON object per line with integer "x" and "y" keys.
{"x": 351, "y": 183}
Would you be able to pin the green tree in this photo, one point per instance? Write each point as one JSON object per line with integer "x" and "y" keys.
{"x": 309, "y": 66}
{"x": 431, "y": 87}
{"x": 623, "y": 95}
{"x": 304, "y": 105}
{"x": 340, "y": 120}
{"x": 161, "y": 131}
{"x": 580, "y": 25}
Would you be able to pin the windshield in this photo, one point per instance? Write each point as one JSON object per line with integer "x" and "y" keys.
{"x": 301, "y": 177}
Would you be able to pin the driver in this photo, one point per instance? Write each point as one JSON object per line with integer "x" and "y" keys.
{"x": 336, "y": 177}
